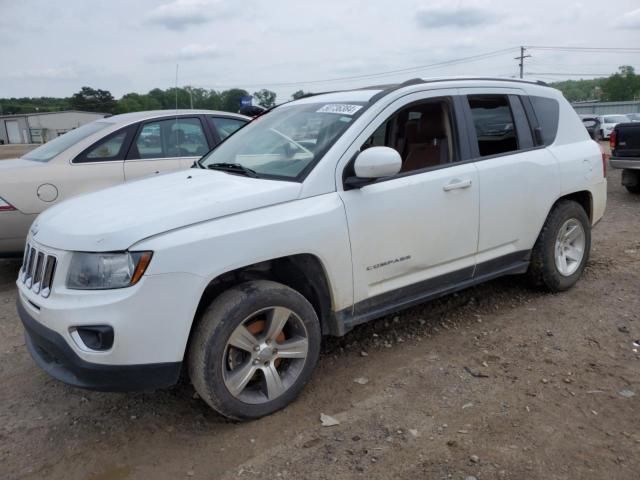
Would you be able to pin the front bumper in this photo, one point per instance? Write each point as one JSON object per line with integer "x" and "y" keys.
{"x": 52, "y": 353}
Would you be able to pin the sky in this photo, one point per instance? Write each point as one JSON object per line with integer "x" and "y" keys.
{"x": 53, "y": 48}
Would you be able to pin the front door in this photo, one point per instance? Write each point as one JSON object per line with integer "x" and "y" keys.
{"x": 165, "y": 145}
{"x": 414, "y": 233}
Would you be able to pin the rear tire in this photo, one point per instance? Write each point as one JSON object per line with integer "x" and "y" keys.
{"x": 562, "y": 249}
{"x": 254, "y": 349}
{"x": 631, "y": 180}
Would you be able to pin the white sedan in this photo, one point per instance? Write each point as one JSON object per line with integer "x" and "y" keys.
{"x": 607, "y": 124}
{"x": 100, "y": 154}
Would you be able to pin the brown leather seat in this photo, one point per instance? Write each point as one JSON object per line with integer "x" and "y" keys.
{"x": 430, "y": 146}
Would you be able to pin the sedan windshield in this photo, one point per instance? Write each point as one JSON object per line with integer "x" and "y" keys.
{"x": 616, "y": 119}
{"x": 46, "y": 152}
{"x": 285, "y": 143}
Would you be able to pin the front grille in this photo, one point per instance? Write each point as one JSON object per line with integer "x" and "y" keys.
{"x": 38, "y": 270}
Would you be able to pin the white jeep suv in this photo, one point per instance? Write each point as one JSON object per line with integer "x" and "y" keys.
{"x": 317, "y": 216}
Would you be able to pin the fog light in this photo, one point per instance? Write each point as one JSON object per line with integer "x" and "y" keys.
{"x": 95, "y": 337}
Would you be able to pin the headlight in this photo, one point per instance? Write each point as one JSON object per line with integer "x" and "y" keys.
{"x": 101, "y": 271}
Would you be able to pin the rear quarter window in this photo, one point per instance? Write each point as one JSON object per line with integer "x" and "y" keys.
{"x": 547, "y": 111}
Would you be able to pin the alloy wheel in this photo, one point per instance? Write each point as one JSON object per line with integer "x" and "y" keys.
{"x": 265, "y": 355}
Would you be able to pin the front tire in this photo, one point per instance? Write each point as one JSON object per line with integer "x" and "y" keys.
{"x": 254, "y": 349}
{"x": 562, "y": 249}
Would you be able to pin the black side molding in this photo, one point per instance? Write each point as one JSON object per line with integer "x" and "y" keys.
{"x": 396, "y": 300}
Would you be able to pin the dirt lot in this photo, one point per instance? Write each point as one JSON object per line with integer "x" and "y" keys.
{"x": 15, "y": 151}
{"x": 497, "y": 382}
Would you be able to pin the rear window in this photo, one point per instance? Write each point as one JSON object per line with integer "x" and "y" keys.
{"x": 547, "y": 111}
{"x": 46, "y": 152}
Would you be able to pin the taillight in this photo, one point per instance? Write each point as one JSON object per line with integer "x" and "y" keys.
{"x": 612, "y": 140}
{"x": 5, "y": 206}
{"x": 605, "y": 156}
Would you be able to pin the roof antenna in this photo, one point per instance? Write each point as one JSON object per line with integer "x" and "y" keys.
{"x": 177, "y": 88}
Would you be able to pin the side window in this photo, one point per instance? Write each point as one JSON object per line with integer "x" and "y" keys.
{"x": 226, "y": 126}
{"x": 109, "y": 148}
{"x": 547, "y": 112}
{"x": 149, "y": 141}
{"x": 421, "y": 133}
{"x": 494, "y": 125}
{"x": 176, "y": 137}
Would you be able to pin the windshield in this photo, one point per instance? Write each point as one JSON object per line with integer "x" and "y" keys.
{"x": 615, "y": 119}
{"x": 46, "y": 152}
{"x": 287, "y": 142}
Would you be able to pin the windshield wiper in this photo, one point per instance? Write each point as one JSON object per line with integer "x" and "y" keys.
{"x": 233, "y": 168}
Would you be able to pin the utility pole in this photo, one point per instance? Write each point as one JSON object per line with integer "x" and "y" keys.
{"x": 521, "y": 58}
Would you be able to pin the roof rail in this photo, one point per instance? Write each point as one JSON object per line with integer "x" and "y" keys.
{"x": 418, "y": 81}
{"x": 392, "y": 88}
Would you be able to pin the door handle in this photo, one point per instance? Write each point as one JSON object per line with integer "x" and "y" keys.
{"x": 457, "y": 184}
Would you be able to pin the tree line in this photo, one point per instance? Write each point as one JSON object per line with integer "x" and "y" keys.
{"x": 622, "y": 85}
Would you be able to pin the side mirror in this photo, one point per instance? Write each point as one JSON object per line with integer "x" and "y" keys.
{"x": 374, "y": 163}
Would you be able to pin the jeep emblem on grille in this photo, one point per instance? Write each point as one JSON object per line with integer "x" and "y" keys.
{"x": 34, "y": 230}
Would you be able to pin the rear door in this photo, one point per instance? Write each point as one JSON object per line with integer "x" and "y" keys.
{"x": 165, "y": 145}
{"x": 518, "y": 178}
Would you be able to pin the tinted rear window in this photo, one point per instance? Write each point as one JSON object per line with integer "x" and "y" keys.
{"x": 547, "y": 112}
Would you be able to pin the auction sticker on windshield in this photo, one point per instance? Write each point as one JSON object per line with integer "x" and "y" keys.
{"x": 340, "y": 108}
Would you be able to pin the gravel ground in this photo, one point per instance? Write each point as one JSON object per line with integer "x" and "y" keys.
{"x": 496, "y": 382}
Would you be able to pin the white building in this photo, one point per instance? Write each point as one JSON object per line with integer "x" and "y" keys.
{"x": 40, "y": 127}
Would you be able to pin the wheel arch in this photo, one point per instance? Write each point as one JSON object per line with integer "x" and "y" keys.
{"x": 304, "y": 273}
{"x": 582, "y": 197}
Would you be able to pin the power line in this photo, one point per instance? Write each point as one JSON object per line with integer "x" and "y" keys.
{"x": 571, "y": 74}
{"x": 586, "y": 49}
{"x": 444, "y": 63}
{"x": 418, "y": 68}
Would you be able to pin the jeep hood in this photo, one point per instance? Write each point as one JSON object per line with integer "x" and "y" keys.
{"x": 116, "y": 218}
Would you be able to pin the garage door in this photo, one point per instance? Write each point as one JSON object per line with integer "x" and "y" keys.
{"x": 14, "y": 131}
